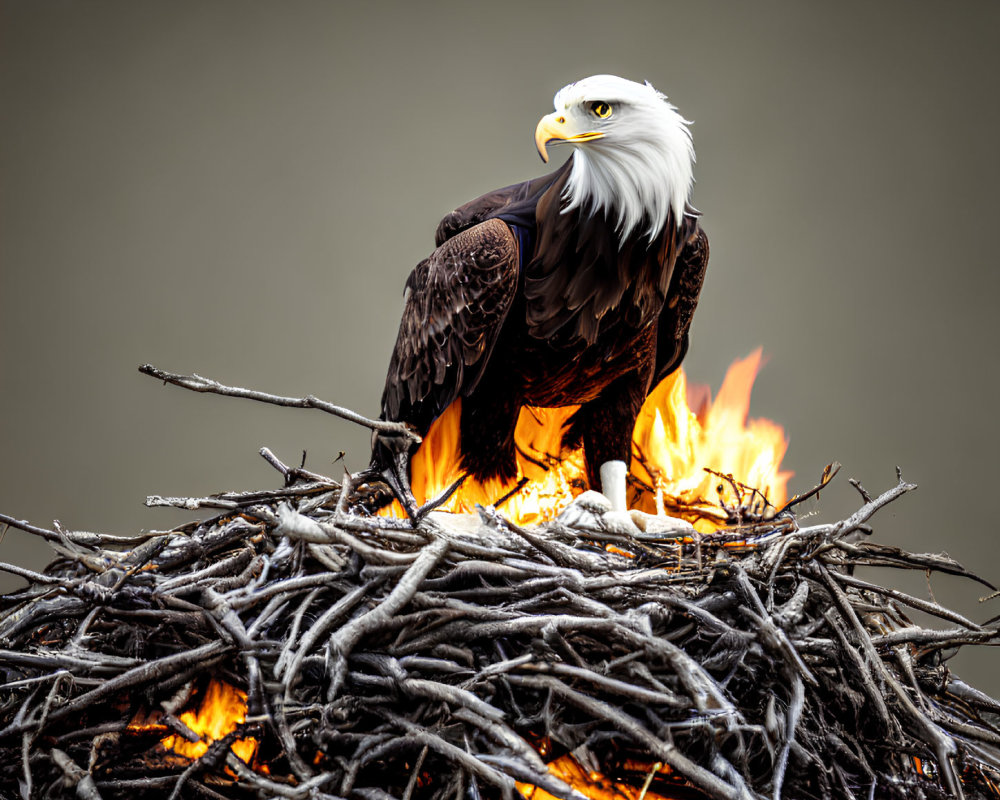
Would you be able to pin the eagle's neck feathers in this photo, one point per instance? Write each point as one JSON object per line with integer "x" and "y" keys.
{"x": 639, "y": 181}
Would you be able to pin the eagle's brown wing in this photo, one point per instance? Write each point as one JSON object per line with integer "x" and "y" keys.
{"x": 515, "y": 199}
{"x": 682, "y": 298}
{"x": 475, "y": 211}
{"x": 457, "y": 301}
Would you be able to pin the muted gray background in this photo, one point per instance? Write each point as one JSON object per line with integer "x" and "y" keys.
{"x": 240, "y": 189}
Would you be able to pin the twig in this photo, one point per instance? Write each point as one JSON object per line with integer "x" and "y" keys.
{"x": 196, "y": 383}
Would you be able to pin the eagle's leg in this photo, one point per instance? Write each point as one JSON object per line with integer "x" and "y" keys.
{"x": 613, "y": 474}
{"x": 604, "y": 428}
{"x": 489, "y": 417}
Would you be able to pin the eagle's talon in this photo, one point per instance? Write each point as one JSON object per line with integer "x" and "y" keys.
{"x": 661, "y": 524}
{"x": 593, "y": 511}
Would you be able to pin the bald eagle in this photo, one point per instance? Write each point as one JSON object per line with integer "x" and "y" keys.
{"x": 574, "y": 288}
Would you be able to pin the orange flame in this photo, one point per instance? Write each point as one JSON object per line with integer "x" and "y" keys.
{"x": 595, "y": 785}
{"x": 672, "y": 447}
{"x": 221, "y": 709}
{"x": 678, "y": 445}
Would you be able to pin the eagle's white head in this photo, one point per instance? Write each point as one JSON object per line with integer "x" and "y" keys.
{"x": 634, "y": 156}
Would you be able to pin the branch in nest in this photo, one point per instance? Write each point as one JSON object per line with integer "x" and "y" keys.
{"x": 196, "y": 383}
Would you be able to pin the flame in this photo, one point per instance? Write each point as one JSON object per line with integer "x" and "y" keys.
{"x": 672, "y": 447}
{"x": 549, "y": 482}
{"x": 596, "y": 785}
{"x": 221, "y": 709}
{"x": 677, "y": 445}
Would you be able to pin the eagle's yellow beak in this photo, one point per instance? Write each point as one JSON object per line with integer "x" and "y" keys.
{"x": 554, "y": 128}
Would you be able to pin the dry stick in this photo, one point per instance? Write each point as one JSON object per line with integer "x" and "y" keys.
{"x": 452, "y": 695}
{"x": 293, "y": 633}
{"x": 794, "y": 713}
{"x": 503, "y": 735}
{"x": 24, "y": 525}
{"x": 864, "y": 671}
{"x": 328, "y": 556}
{"x": 269, "y": 787}
{"x": 225, "y": 566}
{"x": 219, "y": 611}
{"x": 365, "y": 755}
{"x": 543, "y": 779}
{"x": 914, "y": 602}
{"x": 190, "y": 503}
{"x": 665, "y": 751}
{"x": 942, "y": 744}
{"x": 562, "y": 556}
{"x": 140, "y": 787}
{"x": 858, "y": 518}
{"x": 274, "y": 461}
{"x": 328, "y": 619}
{"x": 196, "y": 383}
{"x": 229, "y": 501}
{"x": 470, "y": 763}
{"x": 609, "y": 684}
{"x": 701, "y": 687}
{"x": 772, "y": 633}
{"x": 84, "y": 538}
{"x": 297, "y": 526}
{"x": 940, "y": 639}
{"x": 26, "y": 739}
{"x": 829, "y": 472}
{"x": 57, "y": 675}
{"x": 415, "y": 773}
{"x": 870, "y": 554}
{"x": 302, "y": 770}
{"x": 31, "y": 575}
{"x": 307, "y": 504}
{"x": 343, "y": 641}
{"x": 441, "y": 499}
{"x": 93, "y": 663}
{"x": 373, "y": 742}
{"x": 46, "y": 708}
{"x": 210, "y": 758}
{"x": 346, "y": 488}
{"x": 205, "y": 655}
{"x": 969, "y": 731}
{"x": 243, "y": 597}
{"x": 79, "y": 779}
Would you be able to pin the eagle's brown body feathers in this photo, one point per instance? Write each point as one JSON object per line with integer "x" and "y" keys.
{"x": 583, "y": 318}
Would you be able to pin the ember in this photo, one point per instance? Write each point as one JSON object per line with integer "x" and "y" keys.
{"x": 455, "y": 656}
{"x": 221, "y": 710}
{"x": 596, "y": 786}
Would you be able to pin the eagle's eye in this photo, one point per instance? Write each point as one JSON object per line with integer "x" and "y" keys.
{"x": 601, "y": 109}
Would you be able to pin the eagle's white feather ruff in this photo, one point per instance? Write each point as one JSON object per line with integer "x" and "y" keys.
{"x": 643, "y": 166}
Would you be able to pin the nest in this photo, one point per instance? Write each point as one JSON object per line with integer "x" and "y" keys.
{"x": 453, "y": 656}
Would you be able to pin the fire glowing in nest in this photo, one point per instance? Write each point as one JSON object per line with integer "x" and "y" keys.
{"x": 221, "y": 709}
{"x": 595, "y": 785}
{"x": 679, "y": 434}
